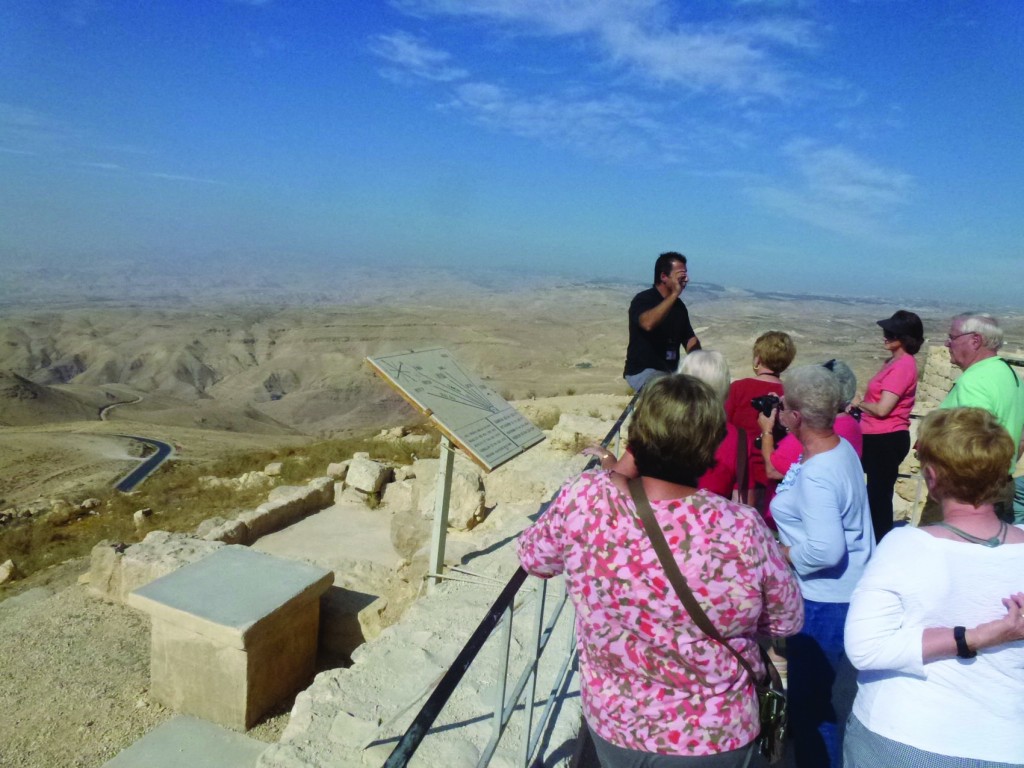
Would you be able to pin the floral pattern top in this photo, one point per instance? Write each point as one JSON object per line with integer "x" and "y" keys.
{"x": 651, "y": 680}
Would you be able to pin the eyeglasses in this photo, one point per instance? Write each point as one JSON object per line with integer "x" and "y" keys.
{"x": 951, "y": 338}
{"x": 888, "y": 337}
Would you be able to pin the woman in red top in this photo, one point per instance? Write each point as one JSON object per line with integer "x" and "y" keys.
{"x": 726, "y": 470}
{"x": 773, "y": 352}
{"x": 886, "y": 408}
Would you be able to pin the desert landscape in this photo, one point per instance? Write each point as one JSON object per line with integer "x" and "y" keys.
{"x": 259, "y": 378}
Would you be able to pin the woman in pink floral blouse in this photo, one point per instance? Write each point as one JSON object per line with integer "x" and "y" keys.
{"x": 656, "y": 690}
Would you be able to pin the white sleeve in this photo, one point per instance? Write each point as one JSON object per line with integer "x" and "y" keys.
{"x": 876, "y": 636}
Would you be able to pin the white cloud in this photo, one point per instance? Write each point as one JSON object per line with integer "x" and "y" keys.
{"x": 180, "y": 177}
{"x": 103, "y": 166}
{"x": 836, "y": 189}
{"x": 412, "y": 55}
{"x": 29, "y": 131}
{"x": 614, "y": 127}
{"x": 738, "y": 58}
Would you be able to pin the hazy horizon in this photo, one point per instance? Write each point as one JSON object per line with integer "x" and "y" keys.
{"x": 837, "y": 149}
{"x": 296, "y": 281}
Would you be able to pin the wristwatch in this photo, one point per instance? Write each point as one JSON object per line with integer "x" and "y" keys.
{"x": 960, "y": 636}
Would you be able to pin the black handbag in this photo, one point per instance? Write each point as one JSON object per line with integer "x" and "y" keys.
{"x": 771, "y": 697}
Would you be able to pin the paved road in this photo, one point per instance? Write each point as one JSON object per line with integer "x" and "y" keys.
{"x": 146, "y": 468}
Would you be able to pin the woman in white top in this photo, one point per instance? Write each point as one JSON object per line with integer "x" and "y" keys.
{"x": 936, "y": 625}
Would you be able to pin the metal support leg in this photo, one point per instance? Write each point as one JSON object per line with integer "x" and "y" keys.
{"x": 442, "y": 497}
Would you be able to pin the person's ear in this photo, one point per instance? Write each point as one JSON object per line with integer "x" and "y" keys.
{"x": 930, "y": 476}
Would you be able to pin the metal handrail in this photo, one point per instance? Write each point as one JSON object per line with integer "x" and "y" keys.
{"x": 500, "y": 614}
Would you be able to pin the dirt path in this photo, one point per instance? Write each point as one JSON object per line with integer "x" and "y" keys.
{"x": 74, "y": 678}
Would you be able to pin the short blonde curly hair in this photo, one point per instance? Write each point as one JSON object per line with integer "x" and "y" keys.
{"x": 775, "y": 350}
{"x": 969, "y": 451}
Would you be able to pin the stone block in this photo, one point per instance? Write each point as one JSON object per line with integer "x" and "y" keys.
{"x": 366, "y": 475}
{"x": 400, "y": 495}
{"x": 273, "y": 469}
{"x": 349, "y": 618}
{"x": 466, "y": 504}
{"x": 116, "y": 570}
{"x": 338, "y": 470}
{"x": 290, "y": 505}
{"x": 410, "y": 530}
{"x": 233, "y": 634}
{"x": 229, "y": 532}
{"x": 189, "y": 741}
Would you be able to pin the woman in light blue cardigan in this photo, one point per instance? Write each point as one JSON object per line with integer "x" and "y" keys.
{"x": 821, "y": 509}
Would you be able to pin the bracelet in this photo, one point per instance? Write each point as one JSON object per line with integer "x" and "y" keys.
{"x": 962, "y": 649}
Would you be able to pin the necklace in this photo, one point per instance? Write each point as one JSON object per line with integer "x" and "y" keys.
{"x": 995, "y": 541}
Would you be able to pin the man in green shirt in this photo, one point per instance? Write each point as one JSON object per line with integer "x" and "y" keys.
{"x": 988, "y": 382}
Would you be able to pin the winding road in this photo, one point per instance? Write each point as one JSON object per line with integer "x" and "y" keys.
{"x": 146, "y": 468}
{"x": 163, "y": 452}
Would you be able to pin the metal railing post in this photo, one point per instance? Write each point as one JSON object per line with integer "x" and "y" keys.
{"x": 531, "y": 684}
{"x": 504, "y": 647}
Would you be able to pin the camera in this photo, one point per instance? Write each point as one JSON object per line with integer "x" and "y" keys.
{"x": 766, "y": 403}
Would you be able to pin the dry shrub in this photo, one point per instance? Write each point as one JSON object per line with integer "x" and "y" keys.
{"x": 180, "y": 501}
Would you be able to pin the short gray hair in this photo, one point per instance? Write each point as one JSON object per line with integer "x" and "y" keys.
{"x": 847, "y": 381}
{"x": 814, "y": 391}
{"x": 983, "y": 324}
{"x": 710, "y": 367}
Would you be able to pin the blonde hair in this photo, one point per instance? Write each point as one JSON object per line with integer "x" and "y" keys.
{"x": 676, "y": 428}
{"x": 710, "y": 367}
{"x": 775, "y": 350}
{"x": 968, "y": 450}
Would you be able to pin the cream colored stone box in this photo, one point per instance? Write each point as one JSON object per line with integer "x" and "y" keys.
{"x": 233, "y": 634}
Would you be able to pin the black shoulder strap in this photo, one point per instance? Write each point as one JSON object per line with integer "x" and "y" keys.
{"x": 1016, "y": 378}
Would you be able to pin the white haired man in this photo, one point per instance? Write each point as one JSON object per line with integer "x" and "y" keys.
{"x": 988, "y": 382}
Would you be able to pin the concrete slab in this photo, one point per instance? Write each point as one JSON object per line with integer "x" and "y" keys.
{"x": 226, "y": 594}
{"x": 188, "y": 742}
{"x": 336, "y": 536}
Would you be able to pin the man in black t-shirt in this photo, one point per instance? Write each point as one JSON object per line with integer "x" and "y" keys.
{"x": 659, "y": 323}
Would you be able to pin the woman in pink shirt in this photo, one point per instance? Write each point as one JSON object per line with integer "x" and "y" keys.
{"x": 886, "y": 408}
{"x": 652, "y": 683}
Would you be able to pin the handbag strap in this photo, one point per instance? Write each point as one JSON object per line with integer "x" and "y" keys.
{"x": 675, "y": 576}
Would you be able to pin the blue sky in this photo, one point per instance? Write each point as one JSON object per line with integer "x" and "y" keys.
{"x": 834, "y": 147}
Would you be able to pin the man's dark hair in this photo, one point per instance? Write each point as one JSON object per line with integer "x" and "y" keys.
{"x": 664, "y": 264}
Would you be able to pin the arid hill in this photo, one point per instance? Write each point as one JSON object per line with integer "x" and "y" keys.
{"x": 215, "y": 375}
{"x": 24, "y": 402}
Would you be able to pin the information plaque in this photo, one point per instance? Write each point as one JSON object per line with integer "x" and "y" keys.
{"x": 464, "y": 409}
